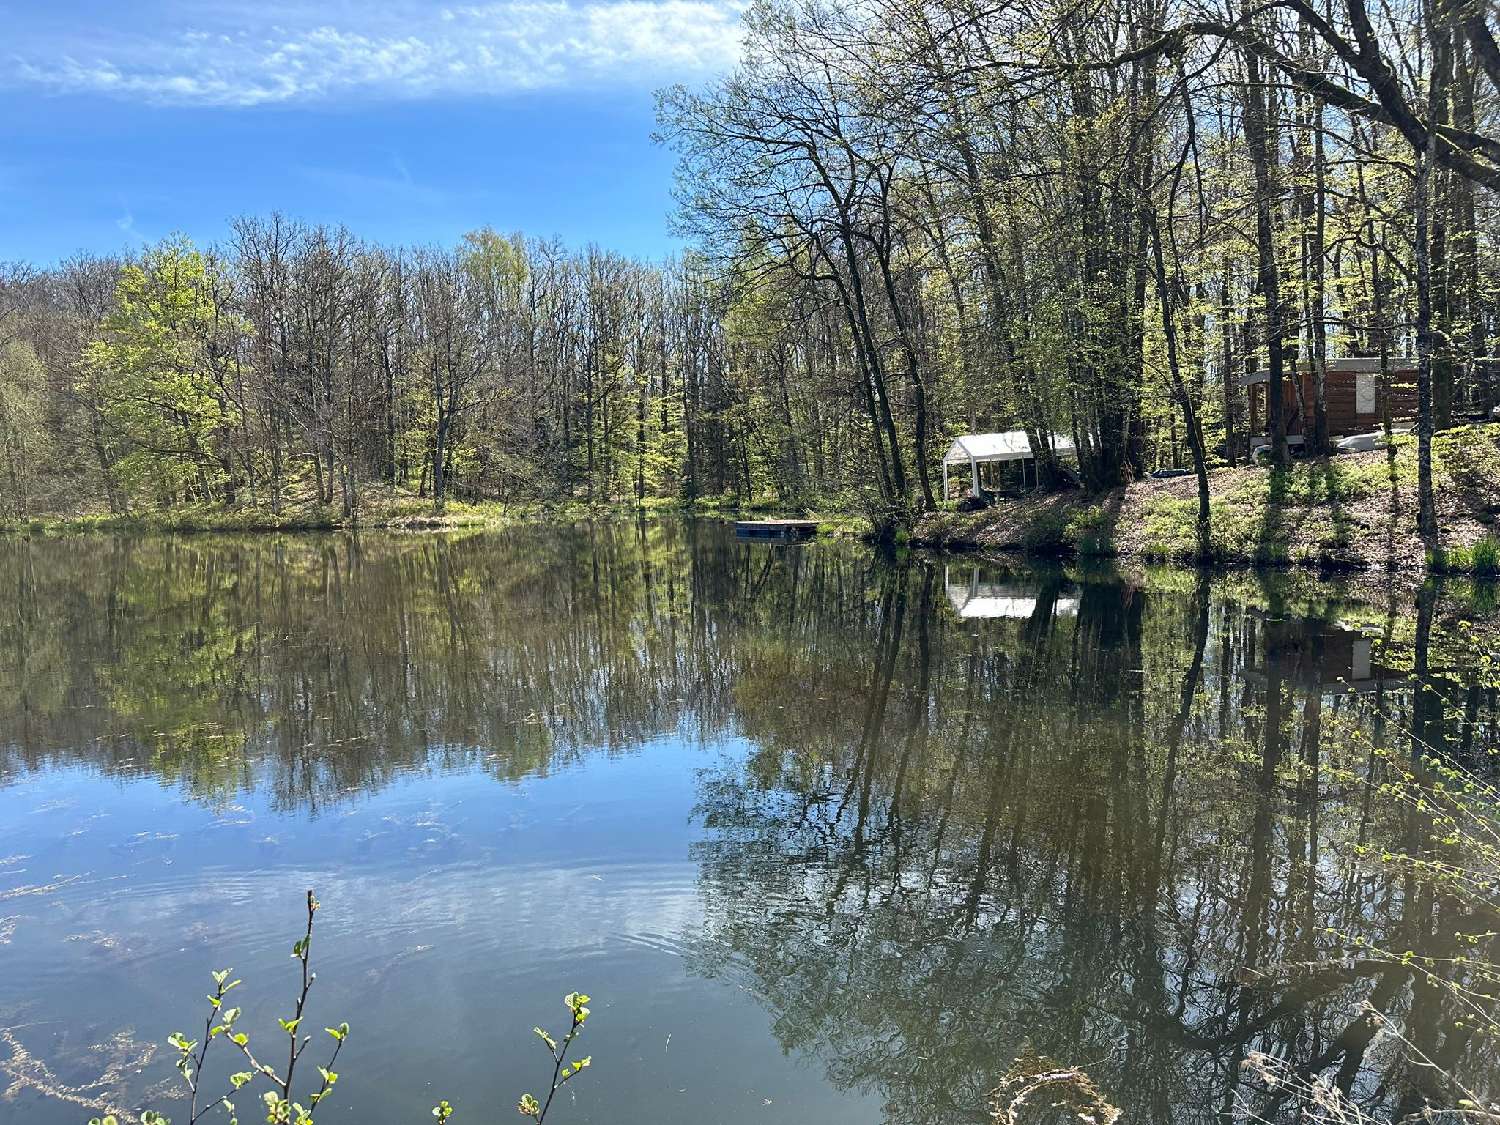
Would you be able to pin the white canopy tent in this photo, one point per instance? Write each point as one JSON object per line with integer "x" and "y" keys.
{"x": 974, "y": 450}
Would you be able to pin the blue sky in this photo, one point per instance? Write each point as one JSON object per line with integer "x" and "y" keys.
{"x": 409, "y": 122}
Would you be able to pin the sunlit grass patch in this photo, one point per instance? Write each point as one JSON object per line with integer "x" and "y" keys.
{"x": 1090, "y": 529}
{"x": 1481, "y": 558}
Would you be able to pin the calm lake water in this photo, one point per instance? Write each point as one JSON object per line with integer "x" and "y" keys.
{"x": 828, "y": 837}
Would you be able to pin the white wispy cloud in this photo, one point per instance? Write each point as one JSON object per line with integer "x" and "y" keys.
{"x": 244, "y": 58}
{"x": 126, "y": 225}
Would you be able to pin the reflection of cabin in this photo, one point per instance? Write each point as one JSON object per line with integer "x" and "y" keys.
{"x": 1332, "y": 658}
{"x": 1352, "y": 393}
{"x": 972, "y": 598}
{"x": 998, "y": 464}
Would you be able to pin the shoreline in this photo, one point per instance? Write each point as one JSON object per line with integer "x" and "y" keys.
{"x": 385, "y": 514}
{"x": 1371, "y": 595}
{"x": 1351, "y": 515}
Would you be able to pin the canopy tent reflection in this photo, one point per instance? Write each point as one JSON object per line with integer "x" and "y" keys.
{"x": 973, "y": 598}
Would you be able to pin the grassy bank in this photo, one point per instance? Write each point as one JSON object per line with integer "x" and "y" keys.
{"x": 383, "y": 507}
{"x": 1352, "y": 512}
{"x": 1355, "y": 512}
{"x": 385, "y": 510}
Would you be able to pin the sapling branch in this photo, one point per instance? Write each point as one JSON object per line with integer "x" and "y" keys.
{"x": 302, "y": 950}
{"x": 280, "y": 1109}
{"x": 562, "y": 1071}
{"x": 191, "y": 1055}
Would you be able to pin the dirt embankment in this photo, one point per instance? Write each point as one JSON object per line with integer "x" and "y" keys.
{"x": 1351, "y": 512}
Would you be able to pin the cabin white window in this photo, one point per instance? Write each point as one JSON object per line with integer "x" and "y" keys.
{"x": 1364, "y": 392}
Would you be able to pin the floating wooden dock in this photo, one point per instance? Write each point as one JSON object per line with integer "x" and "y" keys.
{"x": 775, "y": 529}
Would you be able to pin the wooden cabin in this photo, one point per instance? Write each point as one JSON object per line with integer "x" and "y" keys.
{"x": 1352, "y": 394}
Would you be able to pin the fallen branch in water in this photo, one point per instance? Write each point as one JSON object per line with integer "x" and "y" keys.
{"x": 1032, "y": 1074}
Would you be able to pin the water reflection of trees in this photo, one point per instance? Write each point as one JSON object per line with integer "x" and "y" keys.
{"x": 1081, "y": 824}
{"x": 953, "y": 863}
{"x": 321, "y": 666}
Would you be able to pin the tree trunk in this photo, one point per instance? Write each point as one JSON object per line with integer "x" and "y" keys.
{"x": 1202, "y": 526}
{"x": 1259, "y": 138}
{"x": 1421, "y": 202}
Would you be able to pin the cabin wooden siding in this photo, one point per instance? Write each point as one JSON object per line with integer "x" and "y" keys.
{"x": 1340, "y": 396}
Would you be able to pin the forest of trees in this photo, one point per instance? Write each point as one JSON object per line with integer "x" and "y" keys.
{"x": 1094, "y": 219}
{"x": 301, "y": 360}
{"x": 909, "y": 220}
